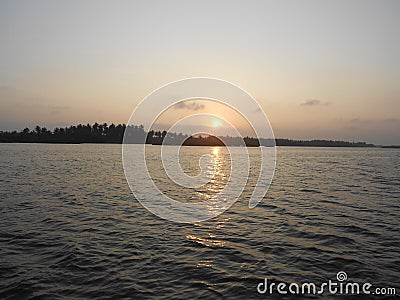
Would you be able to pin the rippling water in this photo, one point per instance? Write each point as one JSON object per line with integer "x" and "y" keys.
{"x": 70, "y": 227}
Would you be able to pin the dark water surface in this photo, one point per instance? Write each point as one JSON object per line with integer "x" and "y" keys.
{"x": 71, "y": 229}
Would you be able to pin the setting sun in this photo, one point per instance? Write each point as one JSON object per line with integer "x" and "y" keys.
{"x": 216, "y": 123}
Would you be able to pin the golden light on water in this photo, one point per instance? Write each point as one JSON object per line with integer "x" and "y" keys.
{"x": 215, "y": 151}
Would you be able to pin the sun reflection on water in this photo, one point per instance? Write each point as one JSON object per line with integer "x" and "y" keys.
{"x": 215, "y": 151}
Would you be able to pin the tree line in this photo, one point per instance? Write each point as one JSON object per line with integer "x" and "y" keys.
{"x": 114, "y": 134}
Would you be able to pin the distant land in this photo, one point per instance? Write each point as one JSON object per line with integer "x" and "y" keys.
{"x": 391, "y": 146}
{"x": 113, "y": 134}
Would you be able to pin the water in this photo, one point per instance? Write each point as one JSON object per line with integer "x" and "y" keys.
{"x": 70, "y": 228}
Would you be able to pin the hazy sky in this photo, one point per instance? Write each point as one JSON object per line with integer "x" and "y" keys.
{"x": 320, "y": 69}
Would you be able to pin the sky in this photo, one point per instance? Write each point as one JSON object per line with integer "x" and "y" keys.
{"x": 319, "y": 69}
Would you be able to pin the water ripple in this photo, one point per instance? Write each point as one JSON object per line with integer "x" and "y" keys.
{"x": 70, "y": 228}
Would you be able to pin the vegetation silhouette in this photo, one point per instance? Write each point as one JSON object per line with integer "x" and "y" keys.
{"x": 200, "y": 140}
{"x": 114, "y": 134}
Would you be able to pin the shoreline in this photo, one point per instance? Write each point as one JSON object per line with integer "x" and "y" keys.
{"x": 117, "y": 143}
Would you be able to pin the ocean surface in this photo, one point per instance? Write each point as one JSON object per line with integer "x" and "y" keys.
{"x": 70, "y": 228}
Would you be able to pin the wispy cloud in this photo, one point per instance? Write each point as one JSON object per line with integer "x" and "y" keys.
{"x": 314, "y": 102}
{"x": 359, "y": 121}
{"x": 373, "y": 121}
{"x": 392, "y": 120}
{"x": 189, "y": 105}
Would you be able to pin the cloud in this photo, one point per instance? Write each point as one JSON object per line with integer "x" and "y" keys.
{"x": 360, "y": 121}
{"x": 314, "y": 102}
{"x": 392, "y": 121}
{"x": 189, "y": 105}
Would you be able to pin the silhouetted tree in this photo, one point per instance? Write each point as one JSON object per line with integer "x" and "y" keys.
{"x": 135, "y": 134}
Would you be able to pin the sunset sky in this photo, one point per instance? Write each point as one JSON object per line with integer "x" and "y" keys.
{"x": 319, "y": 69}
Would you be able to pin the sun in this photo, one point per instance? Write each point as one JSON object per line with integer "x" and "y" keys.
{"x": 216, "y": 123}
